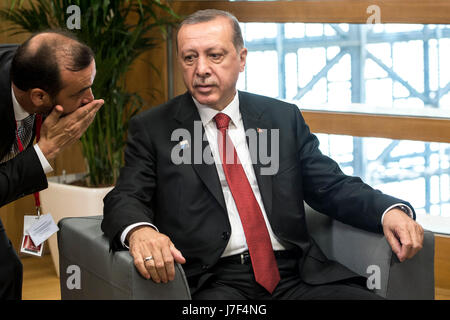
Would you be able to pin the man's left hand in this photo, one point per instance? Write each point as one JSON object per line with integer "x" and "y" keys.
{"x": 404, "y": 235}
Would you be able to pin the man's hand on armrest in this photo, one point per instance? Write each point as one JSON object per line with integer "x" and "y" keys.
{"x": 404, "y": 235}
{"x": 144, "y": 241}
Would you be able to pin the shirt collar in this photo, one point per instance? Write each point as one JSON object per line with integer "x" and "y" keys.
{"x": 207, "y": 113}
{"x": 19, "y": 112}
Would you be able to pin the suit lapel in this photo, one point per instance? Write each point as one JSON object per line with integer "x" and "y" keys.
{"x": 189, "y": 119}
{"x": 7, "y": 127}
{"x": 253, "y": 119}
{"x": 252, "y": 116}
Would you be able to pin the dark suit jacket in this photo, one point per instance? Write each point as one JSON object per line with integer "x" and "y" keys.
{"x": 24, "y": 174}
{"x": 186, "y": 202}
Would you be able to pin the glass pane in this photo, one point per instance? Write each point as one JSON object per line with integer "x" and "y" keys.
{"x": 408, "y": 62}
{"x": 310, "y": 62}
{"x": 415, "y": 171}
{"x": 269, "y": 74}
{"x": 341, "y": 71}
{"x": 294, "y": 30}
{"x": 402, "y": 66}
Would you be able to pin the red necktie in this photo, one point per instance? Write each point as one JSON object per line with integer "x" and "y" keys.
{"x": 263, "y": 260}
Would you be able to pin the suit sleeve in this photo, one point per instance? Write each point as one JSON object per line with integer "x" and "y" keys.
{"x": 21, "y": 176}
{"x": 130, "y": 200}
{"x": 328, "y": 190}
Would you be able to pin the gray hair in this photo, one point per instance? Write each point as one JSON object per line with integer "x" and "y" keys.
{"x": 211, "y": 14}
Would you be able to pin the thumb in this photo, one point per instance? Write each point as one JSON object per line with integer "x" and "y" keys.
{"x": 177, "y": 255}
{"x": 54, "y": 116}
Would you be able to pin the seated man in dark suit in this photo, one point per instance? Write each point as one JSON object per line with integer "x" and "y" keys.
{"x": 194, "y": 190}
{"x": 50, "y": 75}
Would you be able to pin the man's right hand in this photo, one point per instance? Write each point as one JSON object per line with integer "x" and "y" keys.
{"x": 144, "y": 241}
{"x": 58, "y": 132}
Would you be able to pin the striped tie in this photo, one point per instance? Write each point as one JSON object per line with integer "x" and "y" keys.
{"x": 25, "y": 133}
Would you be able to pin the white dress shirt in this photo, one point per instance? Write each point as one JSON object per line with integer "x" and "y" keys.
{"x": 236, "y": 132}
{"x": 236, "y": 243}
{"x": 20, "y": 114}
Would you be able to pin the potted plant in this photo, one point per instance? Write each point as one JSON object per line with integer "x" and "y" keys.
{"x": 118, "y": 31}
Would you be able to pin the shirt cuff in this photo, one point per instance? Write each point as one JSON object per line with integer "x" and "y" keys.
{"x": 44, "y": 163}
{"x": 125, "y": 232}
{"x": 400, "y": 206}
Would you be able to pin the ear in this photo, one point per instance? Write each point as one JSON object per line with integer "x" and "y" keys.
{"x": 243, "y": 58}
{"x": 40, "y": 98}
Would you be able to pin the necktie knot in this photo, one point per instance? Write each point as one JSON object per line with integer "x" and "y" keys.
{"x": 222, "y": 121}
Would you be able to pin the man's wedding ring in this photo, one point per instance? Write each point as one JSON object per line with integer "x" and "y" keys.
{"x": 148, "y": 258}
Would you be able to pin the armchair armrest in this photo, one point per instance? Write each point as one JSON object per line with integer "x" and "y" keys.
{"x": 104, "y": 274}
{"x": 358, "y": 249}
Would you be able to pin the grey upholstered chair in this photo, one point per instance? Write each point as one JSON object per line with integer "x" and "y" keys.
{"x": 90, "y": 271}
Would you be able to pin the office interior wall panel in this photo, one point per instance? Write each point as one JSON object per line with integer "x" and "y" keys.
{"x": 326, "y": 11}
{"x": 382, "y": 126}
{"x": 442, "y": 265}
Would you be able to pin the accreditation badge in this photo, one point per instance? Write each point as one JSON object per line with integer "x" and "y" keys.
{"x": 28, "y": 245}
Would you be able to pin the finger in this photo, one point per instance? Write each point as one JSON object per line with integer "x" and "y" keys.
{"x": 87, "y": 124}
{"x": 139, "y": 263}
{"x": 86, "y": 110}
{"x": 91, "y": 109}
{"x": 160, "y": 265}
{"x": 100, "y": 103}
{"x": 89, "y": 116}
{"x": 417, "y": 239}
{"x": 421, "y": 232}
{"x": 177, "y": 254}
{"x": 54, "y": 116}
{"x": 85, "y": 118}
{"x": 82, "y": 126}
{"x": 406, "y": 241}
{"x": 168, "y": 263}
{"x": 393, "y": 242}
{"x": 95, "y": 105}
{"x": 150, "y": 265}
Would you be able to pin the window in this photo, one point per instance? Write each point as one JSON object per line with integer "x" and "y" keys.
{"x": 416, "y": 171}
{"x": 394, "y": 66}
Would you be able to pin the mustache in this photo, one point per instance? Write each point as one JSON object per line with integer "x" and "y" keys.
{"x": 204, "y": 82}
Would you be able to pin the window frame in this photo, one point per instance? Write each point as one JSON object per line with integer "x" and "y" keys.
{"x": 348, "y": 121}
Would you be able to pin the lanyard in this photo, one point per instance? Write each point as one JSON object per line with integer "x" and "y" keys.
{"x": 37, "y": 200}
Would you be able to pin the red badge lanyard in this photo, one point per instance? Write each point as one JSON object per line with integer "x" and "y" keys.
{"x": 19, "y": 142}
